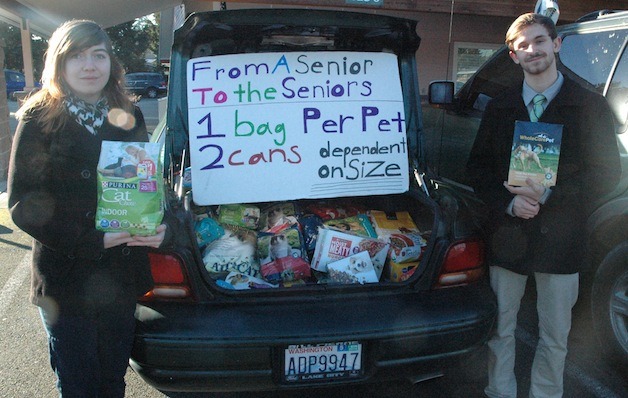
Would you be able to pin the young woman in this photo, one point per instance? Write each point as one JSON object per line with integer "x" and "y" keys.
{"x": 84, "y": 281}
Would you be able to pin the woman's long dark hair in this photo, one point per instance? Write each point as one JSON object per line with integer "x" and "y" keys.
{"x": 72, "y": 37}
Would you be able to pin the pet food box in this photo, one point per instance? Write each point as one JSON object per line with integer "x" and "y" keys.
{"x": 333, "y": 245}
{"x": 357, "y": 268}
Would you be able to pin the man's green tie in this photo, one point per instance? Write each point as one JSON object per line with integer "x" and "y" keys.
{"x": 537, "y": 107}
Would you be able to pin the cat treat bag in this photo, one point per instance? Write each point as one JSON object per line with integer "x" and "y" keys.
{"x": 130, "y": 187}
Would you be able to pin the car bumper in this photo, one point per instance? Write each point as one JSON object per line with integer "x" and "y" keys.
{"x": 240, "y": 346}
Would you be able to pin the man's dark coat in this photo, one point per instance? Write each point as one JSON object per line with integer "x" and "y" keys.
{"x": 554, "y": 240}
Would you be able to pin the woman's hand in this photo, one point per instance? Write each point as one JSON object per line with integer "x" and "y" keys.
{"x": 151, "y": 240}
{"x": 113, "y": 239}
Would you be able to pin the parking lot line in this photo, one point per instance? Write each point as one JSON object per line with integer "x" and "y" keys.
{"x": 11, "y": 287}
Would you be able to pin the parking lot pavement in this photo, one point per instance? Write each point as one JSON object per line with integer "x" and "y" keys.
{"x": 3, "y": 195}
{"x": 586, "y": 376}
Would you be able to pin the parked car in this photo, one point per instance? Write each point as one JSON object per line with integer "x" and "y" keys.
{"x": 147, "y": 84}
{"x": 593, "y": 53}
{"x": 15, "y": 82}
{"x": 275, "y": 78}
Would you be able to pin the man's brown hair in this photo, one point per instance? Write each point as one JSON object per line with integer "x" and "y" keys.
{"x": 525, "y": 20}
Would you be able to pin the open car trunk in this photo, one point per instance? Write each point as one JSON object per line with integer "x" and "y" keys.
{"x": 313, "y": 251}
{"x": 295, "y": 145}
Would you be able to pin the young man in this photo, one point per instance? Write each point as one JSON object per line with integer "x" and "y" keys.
{"x": 536, "y": 230}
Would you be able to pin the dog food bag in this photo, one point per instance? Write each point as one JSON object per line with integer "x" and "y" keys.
{"x": 399, "y": 272}
{"x": 334, "y": 245}
{"x": 357, "y": 225}
{"x": 130, "y": 187}
{"x": 406, "y": 241}
{"x": 357, "y": 268}
{"x": 330, "y": 211}
{"x": 240, "y": 215}
{"x": 309, "y": 225}
{"x": 387, "y": 223}
{"x": 234, "y": 251}
{"x": 406, "y": 247}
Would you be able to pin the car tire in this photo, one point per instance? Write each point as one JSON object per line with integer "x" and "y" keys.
{"x": 151, "y": 92}
{"x": 609, "y": 301}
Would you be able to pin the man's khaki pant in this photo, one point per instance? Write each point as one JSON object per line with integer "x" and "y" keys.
{"x": 556, "y": 296}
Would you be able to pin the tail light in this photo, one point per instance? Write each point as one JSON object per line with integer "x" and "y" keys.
{"x": 463, "y": 264}
{"x": 171, "y": 280}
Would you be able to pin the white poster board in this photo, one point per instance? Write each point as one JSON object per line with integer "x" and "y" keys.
{"x": 284, "y": 126}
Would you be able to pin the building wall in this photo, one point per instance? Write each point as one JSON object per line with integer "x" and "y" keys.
{"x": 435, "y": 55}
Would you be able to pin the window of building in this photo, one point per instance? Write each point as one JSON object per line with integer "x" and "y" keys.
{"x": 468, "y": 57}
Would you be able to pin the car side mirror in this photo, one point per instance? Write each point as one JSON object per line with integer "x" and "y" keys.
{"x": 441, "y": 94}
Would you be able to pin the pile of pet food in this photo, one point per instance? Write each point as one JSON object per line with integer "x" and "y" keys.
{"x": 247, "y": 246}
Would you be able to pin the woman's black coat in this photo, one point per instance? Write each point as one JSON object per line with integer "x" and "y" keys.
{"x": 553, "y": 241}
{"x": 53, "y": 197}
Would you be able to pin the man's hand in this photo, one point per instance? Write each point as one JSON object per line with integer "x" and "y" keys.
{"x": 533, "y": 190}
{"x": 524, "y": 207}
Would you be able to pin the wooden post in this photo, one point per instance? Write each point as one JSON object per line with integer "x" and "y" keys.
{"x": 5, "y": 133}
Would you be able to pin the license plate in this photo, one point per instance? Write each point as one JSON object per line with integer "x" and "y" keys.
{"x": 311, "y": 362}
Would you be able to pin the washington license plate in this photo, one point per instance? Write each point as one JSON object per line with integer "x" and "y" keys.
{"x": 311, "y": 362}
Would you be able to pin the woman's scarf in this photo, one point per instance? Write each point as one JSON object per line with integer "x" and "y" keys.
{"x": 90, "y": 116}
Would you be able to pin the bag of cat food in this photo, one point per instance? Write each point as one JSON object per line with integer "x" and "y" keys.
{"x": 239, "y": 281}
{"x": 233, "y": 251}
{"x": 241, "y": 215}
{"x": 130, "y": 187}
{"x": 207, "y": 230}
{"x": 277, "y": 217}
{"x": 287, "y": 243}
{"x": 286, "y": 269}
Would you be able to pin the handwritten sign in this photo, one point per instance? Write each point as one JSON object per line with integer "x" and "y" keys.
{"x": 284, "y": 126}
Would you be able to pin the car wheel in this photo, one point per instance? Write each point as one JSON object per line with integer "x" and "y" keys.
{"x": 609, "y": 304}
{"x": 151, "y": 92}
